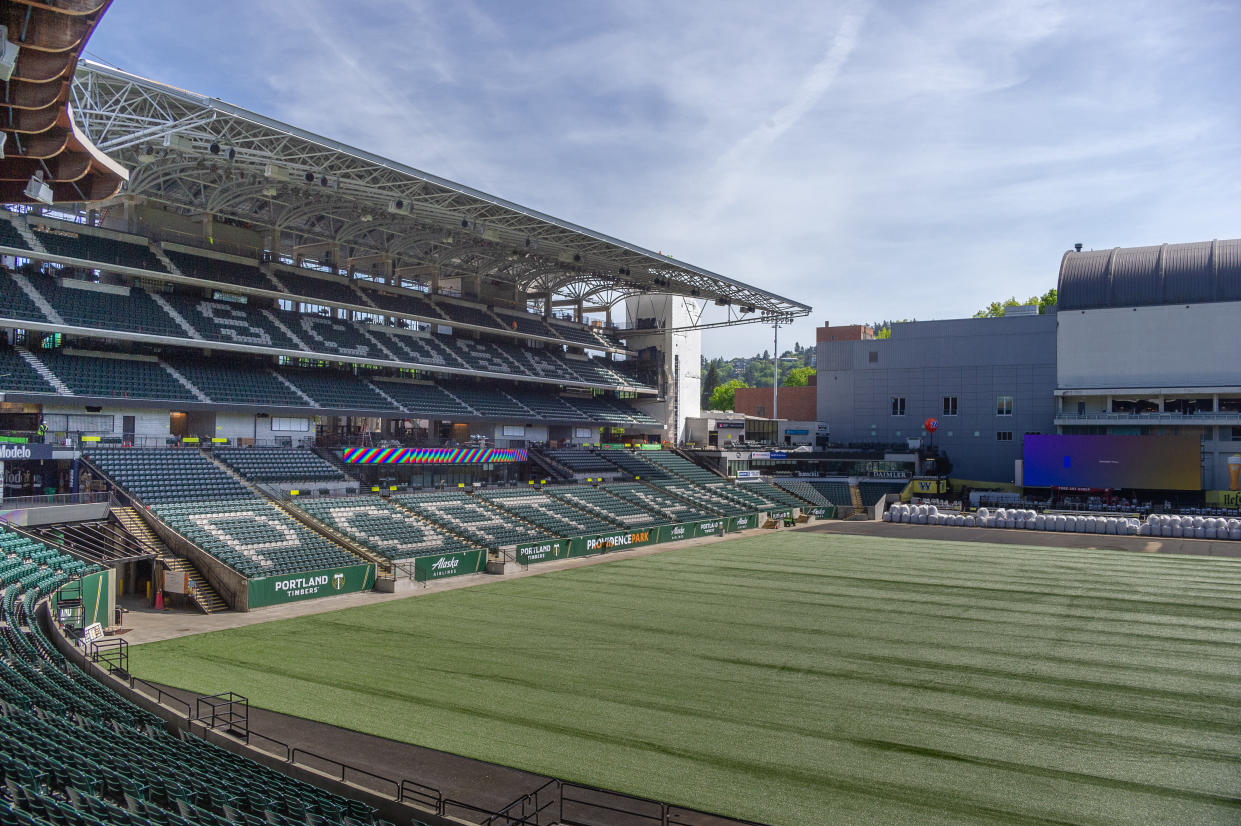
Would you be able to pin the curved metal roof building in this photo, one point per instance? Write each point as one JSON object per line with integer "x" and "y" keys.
{"x": 1194, "y": 273}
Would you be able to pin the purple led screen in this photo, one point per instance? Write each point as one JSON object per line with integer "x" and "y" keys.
{"x": 1140, "y": 462}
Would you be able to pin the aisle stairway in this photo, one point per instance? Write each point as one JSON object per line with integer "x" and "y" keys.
{"x": 204, "y": 596}
{"x": 856, "y": 496}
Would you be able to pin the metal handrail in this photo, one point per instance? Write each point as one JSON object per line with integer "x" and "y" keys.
{"x": 54, "y": 499}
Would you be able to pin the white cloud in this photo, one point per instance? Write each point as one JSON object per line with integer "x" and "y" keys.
{"x": 887, "y": 161}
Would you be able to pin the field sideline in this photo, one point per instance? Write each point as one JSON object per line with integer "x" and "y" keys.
{"x": 798, "y": 678}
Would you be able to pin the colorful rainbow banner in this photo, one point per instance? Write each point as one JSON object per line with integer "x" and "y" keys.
{"x": 432, "y": 455}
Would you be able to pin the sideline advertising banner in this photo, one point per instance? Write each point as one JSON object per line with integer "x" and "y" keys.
{"x": 278, "y": 590}
{"x": 1224, "y": 498}
{"x": 438, "y": 566}
{"x": 823, "y": 511}
{"x": 621, "y": 540}
{"x": 542, "y": 551}
{"x": 742, "y": 523}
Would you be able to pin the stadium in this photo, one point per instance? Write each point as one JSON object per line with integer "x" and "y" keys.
{"x": 336, "y": 492}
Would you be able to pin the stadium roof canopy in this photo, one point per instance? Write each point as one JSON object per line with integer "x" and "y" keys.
{"x": 1199, "y": 272}
{"x": 200, "y": 155}
{"x": 44, "y": 157}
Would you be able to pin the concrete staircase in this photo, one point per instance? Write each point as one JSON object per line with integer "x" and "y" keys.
{"x": 204, "y": 596}
{"x": 49, "y": 312}
{"x": 174, "y": 315}
{"x": 46, "y": 372}
{"x": 280, "y": 325}
{"x": 158, "y": 252}
{"x": 186, "y": 383}
{"x": 23, "y": 229}
{"x": 855, "y": 496}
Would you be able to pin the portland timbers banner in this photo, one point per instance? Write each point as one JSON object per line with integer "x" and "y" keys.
{"x": 438, "y": 566}
{"x": 542, "y": 551}
{"x": 278, "y": 590}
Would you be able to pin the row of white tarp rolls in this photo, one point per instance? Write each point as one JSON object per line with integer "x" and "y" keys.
{"x": 1186, "y": 527}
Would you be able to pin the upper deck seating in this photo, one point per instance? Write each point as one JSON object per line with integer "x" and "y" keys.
{"x": 97, "y": 249}
{"x": 14, "y": 303}
{"x": 337, "y": 389}
{"x": 493, "y": 403}
{"x": 425, "y": 399}
{"x": 315, "y": 288}
{"x": 581, "y": 460}
{"x": 467, "y": 314}
{"x": 118, "y": 378}
{"x": 82, "y": 306}
{"x": 19, "y": 377}
{"x": 231, "y": 322}
{"x": 214, "y": 269}
{"x": 237, "y": 385}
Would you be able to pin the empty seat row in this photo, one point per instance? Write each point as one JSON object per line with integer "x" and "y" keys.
{"x": 279, "y": 464}
{"x": 384, "y": 528}
{"x": 253, "y": 536}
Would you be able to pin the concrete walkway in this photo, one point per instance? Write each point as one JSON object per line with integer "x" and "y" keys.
{"x": 145, "y": 624}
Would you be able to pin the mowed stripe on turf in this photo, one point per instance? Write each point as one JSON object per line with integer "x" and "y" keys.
{"x": 799, "y": 678}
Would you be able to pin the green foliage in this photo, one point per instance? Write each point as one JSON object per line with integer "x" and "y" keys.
{"x": 723, "y": 397}
{"x": 798, "y": 377}
{"x": 884, "y": 328}
{"x": 712, "y": 381}
{"x": 996, "y": 308}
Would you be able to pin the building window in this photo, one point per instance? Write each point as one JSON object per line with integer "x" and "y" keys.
{"x": 950, "y": 405}
{"x": 1004, "y": 406}
{"x": 1004, "y": 435}
{"x": 898, "y": 405}
{"x": 1236, "y": 434}
{"x": 872, "y": 356}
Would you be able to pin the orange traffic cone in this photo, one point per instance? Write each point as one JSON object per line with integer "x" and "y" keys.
{"x": 159, "y": 600}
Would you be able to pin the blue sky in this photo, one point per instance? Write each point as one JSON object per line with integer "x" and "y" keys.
{"x": 874, "y": 160}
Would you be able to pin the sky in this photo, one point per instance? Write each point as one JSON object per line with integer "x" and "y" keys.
{"x": 875, "y": 160}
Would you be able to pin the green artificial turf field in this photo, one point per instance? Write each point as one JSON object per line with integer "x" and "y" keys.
{"x": 799, "y": 678}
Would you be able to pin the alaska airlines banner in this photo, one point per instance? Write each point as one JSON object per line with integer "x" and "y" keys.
{"x": 432, "y": 455}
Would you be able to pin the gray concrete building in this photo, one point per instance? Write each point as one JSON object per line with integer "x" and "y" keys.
{"x": 1149, "y": 345}
{"x": 988, "y": 382}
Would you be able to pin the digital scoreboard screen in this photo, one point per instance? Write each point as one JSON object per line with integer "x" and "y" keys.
{"x": 1113, "y": 462}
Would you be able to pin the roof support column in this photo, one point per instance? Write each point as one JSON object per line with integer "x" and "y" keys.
{"x": 547, "y": 304}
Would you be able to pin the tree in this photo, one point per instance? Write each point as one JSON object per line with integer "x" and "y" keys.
{"x": 711, "y": 382}
{"x": 996, "y": 308}
{"x": 798, "y": 377}
{"x": 884, "y": 329}
{"x": 724, "y": 396}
